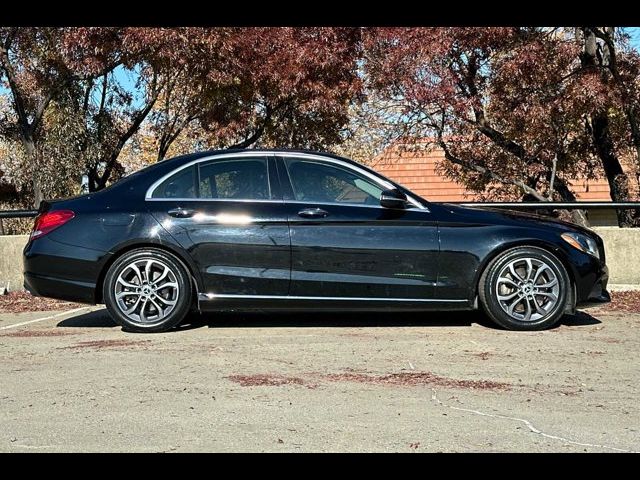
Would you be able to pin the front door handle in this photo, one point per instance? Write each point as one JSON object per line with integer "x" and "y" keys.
{"x": 182, "y": 212}
{"x": 313, "y": 213}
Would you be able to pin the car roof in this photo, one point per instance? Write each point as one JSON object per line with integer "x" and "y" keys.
{"x": 206, "y": 153}
{"x": 177, "y": 161}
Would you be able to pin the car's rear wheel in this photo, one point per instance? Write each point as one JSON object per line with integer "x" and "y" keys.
{"x": 524, "y": 288}
{"x": 147, "y": 290}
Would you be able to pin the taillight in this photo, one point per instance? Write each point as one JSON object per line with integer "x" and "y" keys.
{"x": 46, "y": 222}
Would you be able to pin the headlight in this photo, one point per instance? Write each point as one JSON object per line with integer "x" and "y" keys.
{"x": 582, "y": 242}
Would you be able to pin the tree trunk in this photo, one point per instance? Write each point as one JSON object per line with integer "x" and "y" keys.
{"x": 163, "y": 148}
{"x": 577, "y": 216}
{"x": 92, "y": 177}
{"x": 617, "y": 179}
{"x": 33, "y": 157}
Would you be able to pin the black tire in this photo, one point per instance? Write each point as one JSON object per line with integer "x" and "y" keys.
{"x": 161, "y": 314}
{"x": 498, "y": 280}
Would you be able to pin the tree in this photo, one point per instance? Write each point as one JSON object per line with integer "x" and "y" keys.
{"x": 510, "y": 107}
{"x": 223, "y": 87}
{"x": 618, "y": 71}
{"x": 261, "y": 86}
{"x": 40, "y": 67}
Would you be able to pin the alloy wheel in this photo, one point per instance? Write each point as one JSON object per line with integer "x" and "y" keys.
{"x": 527, "y": 289}
{"x": 146, "y": 290}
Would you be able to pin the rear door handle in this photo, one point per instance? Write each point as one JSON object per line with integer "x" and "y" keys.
{"x": 313, "y": 213}
{"x": 182, "y": 212}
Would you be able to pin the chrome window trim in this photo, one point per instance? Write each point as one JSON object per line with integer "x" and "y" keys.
{"x": 295, "y": 202}
{"x": 214, "y": 296}
{"x": 381, "y": 182}
{"x": 186, "y": 199}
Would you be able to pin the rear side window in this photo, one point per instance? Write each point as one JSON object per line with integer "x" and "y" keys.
{"x": 242, "y": 179}
{"x": 180, "y": 185}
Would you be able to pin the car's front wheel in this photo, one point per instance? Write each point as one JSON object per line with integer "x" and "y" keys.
{"x": 524, "y": 288}
{"x": 147, "y": 290}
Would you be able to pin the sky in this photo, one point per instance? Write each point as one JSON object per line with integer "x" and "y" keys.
{"x": 635, "y": 36}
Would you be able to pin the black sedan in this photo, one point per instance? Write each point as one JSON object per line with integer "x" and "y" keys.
{"x": 294, "y": 230}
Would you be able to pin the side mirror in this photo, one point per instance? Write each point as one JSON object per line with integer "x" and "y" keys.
{"x": 393, "y": 199}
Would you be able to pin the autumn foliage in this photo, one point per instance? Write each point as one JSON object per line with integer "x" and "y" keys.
{"x": 223, "y": 87}
{"x": 518, "y": 111}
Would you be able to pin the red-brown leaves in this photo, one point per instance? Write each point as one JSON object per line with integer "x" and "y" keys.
{"x": 17, "y": 302}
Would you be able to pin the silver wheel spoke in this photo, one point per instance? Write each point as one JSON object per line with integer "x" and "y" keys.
{"x": 513, "y": 304}
{"x": 127, "y": 284}
{"x": 126, "y": 294}
{"x": 540, "y": 270}
{"x": 548, "y": 284}
{"x": 529, "y": 269}
{"x": 167, "y": 285}
{"x": 143, "y": 317}
{"x": 508, "y": 282}
{"x": 132, "y": 309}
{"x": 162, "y": 275}
{"x": 160, "y": 310}
{"x": 528, "y": 309}
{"x": 165, "y": 301}
{"x": 138, "y": 273}
{"x": 147, "y": 270}
{"x": 515, "y": 274}
{"x": 550, "y": 295}
{"x": 539, "y": 309}
{"x": 503, "y": 298}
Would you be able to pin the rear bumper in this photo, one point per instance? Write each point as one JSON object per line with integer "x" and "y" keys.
{"x": 57, "y": 270}
{"x": 62, "y": 289}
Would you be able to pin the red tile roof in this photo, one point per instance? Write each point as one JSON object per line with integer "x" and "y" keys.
{"x": 418, "y": 172}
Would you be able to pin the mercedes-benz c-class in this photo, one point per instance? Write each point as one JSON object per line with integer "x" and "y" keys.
{"x": 295, "y": 230}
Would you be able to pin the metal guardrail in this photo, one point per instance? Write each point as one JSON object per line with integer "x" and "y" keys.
{"x": 18, "y": 213}
{"x": 554, "y": 205}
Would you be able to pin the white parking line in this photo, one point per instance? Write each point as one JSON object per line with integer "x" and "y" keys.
{"x": 44, "y": 318}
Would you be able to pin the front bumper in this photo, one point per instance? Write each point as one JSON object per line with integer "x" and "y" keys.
{"x": 598, "y": 294}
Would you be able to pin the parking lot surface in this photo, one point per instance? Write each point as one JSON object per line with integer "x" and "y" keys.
{"x": 74, "y": 381}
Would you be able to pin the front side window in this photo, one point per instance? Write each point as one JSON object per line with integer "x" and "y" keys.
{"x": 179, "y": 185}
{"x": 320, "y": 182}
{"x": 243, "y": 179}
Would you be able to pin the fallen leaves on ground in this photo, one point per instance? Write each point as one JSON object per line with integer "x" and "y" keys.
{"x": 624, "y": 302}
{"x": 18, "y": 302}
{"x": 409, "y": 379}
{"x": 268, "y": 380}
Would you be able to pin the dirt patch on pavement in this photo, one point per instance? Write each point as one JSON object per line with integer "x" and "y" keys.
{"x": 38, "y": 333}
{"x": 18, "y": 302}
{"x": 482, "y": 355}
{"x": 413, "y": 379}
{"x": 267, "y": 380}
{"x": 103, "y": 344}
{"x": 404, "y": 379}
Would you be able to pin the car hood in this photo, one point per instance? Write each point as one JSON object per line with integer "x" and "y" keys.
{"x": 513, "y": 217}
